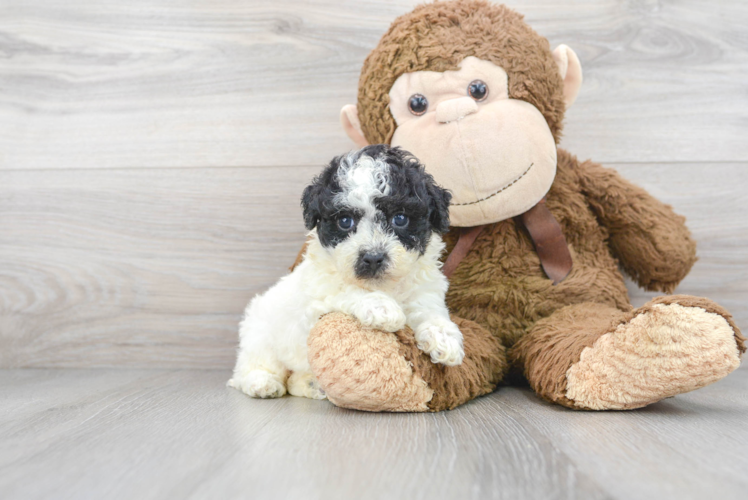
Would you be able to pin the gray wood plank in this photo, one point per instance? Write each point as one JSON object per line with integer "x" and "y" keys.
{"x": 153, "y": 268}
{"x": 690, "y": 446}
{"x": 713, "y": 200}
{"x": 100, "y": 433}
{"x": 470, "y": 453}
{"x": 139, "y": 266}
{"x": 235, "y": 83}
{"x": 162, "y": 432}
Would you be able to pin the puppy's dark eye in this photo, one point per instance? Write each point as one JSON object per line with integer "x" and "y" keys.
{"x": 400, "y": 221}
{"x": 478, "y": 90}
{"x": 346, "y": 223}
{"x": 417, "y": 104}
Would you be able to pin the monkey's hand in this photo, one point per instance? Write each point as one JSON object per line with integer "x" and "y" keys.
{"x": 441, "y": 339}
{"x": 651, "y": 242}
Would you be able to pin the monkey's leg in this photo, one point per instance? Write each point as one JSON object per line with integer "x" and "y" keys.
{"x": 593, "y": 357}
{"x": 372, "y": 370}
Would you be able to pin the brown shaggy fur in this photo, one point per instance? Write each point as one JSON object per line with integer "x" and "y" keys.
{"x": 484, "y": 367}
{"x": 500, "y": 285}
{"x": 555, "y": 343}
{"x": 652, "y": 243}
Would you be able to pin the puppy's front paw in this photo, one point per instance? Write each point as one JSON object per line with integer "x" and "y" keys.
{"x": 442, "y": 340}
{"x": 259, "y": 384}
{"x": 305, "y": 385}
{"x": 381, "y": 312}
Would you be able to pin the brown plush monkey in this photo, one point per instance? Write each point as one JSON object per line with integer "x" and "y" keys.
{"x": 479, "y": 97}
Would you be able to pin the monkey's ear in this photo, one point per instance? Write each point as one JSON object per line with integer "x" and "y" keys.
{"x": 310, "y": 203}
{"x": 351, "y": 124}
{"x": 571, "y": 72}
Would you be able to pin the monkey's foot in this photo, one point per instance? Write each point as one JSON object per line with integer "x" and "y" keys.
{"x": 667, "y": 348}
{"x": 594, "y": 357}
{"x": 373, "y": 370}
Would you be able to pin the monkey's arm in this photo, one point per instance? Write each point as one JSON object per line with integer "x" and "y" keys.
{"x": 652, "y": 242}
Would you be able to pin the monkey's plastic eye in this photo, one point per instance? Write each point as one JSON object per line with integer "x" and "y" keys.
{"x": 346, "y": 223}
{"x": 418, "y": 104}
{"x": 478, "y": 90}
{"x": 400, "y": 220}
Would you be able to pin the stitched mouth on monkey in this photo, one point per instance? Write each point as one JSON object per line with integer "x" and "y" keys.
{"x": 495, "y": 154}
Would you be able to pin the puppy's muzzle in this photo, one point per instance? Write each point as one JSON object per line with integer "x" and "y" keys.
{"x": 371, "y": 264}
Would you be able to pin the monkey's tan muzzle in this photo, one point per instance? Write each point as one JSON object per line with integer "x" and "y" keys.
{"x": 454, "y": 110}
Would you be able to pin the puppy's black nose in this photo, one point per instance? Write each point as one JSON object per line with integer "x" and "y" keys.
{"x": 373, "y": 260}
{"x": 370, "y": 264}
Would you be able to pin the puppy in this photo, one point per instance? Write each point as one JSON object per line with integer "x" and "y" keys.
{"x": 375, "y": 218}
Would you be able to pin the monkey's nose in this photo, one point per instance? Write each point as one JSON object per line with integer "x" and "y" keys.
{"x": 455, "y": 109}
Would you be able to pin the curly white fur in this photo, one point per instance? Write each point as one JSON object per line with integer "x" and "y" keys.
{"x": 273, "y": 334}
{"x": 272, "y": 355}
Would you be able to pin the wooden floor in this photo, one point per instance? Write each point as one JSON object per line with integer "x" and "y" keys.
{"x": 169, "y": 434}
{"x": 152, "y": 156}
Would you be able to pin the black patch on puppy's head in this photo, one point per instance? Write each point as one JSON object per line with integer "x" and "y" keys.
{"x": 415, "y": 194}
{"x": 412, "y": 193}
{"x": 319, "y": 208}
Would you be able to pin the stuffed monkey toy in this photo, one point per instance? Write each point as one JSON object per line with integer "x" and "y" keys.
{"x": 538, "y": 238}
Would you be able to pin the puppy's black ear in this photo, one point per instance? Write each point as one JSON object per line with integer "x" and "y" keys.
{"x": 315, "y": 195}
{"x": 439, "y": 207}
{"x": 310, "y": 203}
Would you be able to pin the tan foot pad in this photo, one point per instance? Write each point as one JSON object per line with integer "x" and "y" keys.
{"x": 363, "y": 369}
{"x": 667, "y": 350}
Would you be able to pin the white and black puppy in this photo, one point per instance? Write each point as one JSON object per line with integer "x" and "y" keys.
{"x": 375, "y": 218}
